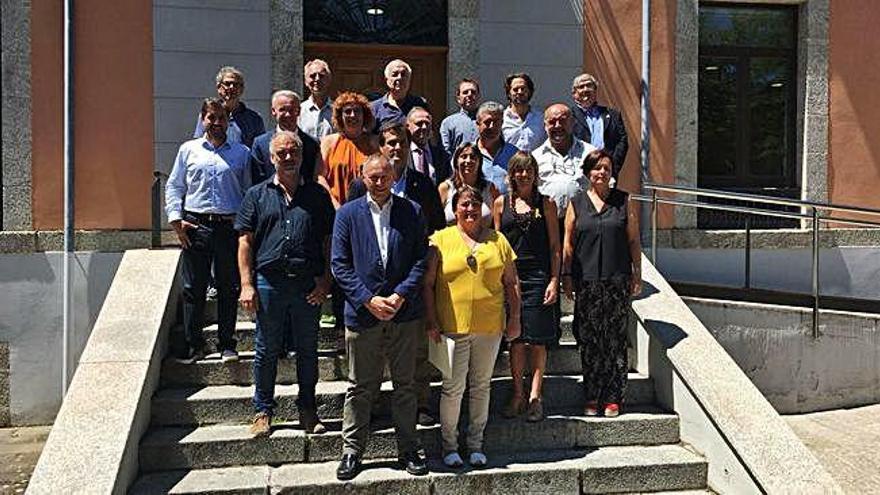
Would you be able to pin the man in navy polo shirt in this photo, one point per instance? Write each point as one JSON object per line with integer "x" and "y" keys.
{"x": 397, "y": 102}
{"x": 244, "y": 123}
{"x": 284, "y": 227}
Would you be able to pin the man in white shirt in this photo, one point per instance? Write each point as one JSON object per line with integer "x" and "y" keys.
{"x": 561, "y": 158}
{"x": 522, "y": 126}
{"x": 316, "y": 111}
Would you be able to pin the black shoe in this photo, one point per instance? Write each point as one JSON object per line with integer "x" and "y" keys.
{"x": 349, "y": 467}
{"x": 415, "y": 463}
{"x": 192, "y": 355}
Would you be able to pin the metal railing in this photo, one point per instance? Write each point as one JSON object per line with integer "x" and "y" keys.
{"x": 156, "y": 208}
{"x": 810, "y": 210}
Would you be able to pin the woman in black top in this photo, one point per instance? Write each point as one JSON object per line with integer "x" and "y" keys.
{"x": 528, "y": 221}
{"x": 601, "y": 265}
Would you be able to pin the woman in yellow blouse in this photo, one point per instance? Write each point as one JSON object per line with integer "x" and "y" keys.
{"x": 470, "y": 279}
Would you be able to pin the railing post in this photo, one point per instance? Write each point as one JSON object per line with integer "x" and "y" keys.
{"x": 654, "y": 227}
{"x": 815, "y": 273}
{"x": 748, "y": 251}
{"x": 156, "y": 193}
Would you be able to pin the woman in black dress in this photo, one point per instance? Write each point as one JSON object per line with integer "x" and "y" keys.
{"x": 528, "y": 220}
{"x": 601, "y": 265}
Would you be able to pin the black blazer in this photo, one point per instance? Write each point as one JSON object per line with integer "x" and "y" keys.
{"x": 615, "y": 133}
{"x": 442, "y": 167}
{"x": 419, "y": 189}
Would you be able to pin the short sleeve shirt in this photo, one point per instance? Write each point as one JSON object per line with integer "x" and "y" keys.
{"x": 287, "y": 234}
{"x": 470, "y": 300}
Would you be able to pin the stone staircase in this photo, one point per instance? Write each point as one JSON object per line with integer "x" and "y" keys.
{"x": 198, "y": 441}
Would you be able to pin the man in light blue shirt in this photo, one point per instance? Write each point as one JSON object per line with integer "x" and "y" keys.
{"x": 202, "y": 196}
{"x": 495, "y": 150}
{"x": 523, "y": 126}
{"x": 461, "y": 127}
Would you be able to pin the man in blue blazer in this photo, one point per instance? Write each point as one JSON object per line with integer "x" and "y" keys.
{"x": 378, "y": 260}
{"x": 285, "y": 111}
{"x": 596, "y": 124}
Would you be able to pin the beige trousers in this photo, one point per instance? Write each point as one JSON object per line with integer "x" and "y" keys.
{"x": 473, "y": 360}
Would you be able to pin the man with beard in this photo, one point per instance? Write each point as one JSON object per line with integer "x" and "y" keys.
{"x": 522, "y": 124}
{"x": 495, "y": 150}
{"x": 208, "y": 179}
{"x": 398, "y": 101}
{"x": 461, "y": 127}
{"x": 285, "y": 110}
{"x": 284, "y": 230}
{"x": 316, "y": 112}
{"x": 244, "y": 124}
{"x": 378, "y": 259}
{"x": 596, "y": 124}
{"x": 560, "y": 159}
{"x": 427, "y": 158}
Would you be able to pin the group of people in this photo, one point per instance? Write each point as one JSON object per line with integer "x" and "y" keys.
{"x": 426, "y": 248}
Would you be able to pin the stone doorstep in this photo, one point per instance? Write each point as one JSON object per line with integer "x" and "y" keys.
{"x": 232, "y": 403}
{"x": 561, "y": 360}
{"x": 244, "y": 333}
{"x": 603, "y": 470}
{"x": 229, "y": 445}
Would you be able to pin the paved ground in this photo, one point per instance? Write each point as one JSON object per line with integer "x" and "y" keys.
{"x": 19, "y": 450}
{"x": 846, "y": 441}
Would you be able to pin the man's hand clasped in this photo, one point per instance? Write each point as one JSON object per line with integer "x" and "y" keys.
{"x": 384, "y": 308}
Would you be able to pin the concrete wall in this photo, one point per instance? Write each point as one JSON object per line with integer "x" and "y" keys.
{"x": 797, "y": 374}
{"x": 30, "y": 322}
{"x": 518, "y": 36}
{"x": 193, "y": 39}
{"x": 843, "y": 271}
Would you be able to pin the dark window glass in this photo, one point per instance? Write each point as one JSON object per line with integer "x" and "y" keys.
{"x": 746, "y": 110}
{"x": 395, "y": 22}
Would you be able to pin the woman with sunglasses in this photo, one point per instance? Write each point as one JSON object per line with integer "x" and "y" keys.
{"x": 467, "y": 171}
{"x": 471, "y": 295}
{"x": 527, "y": 219}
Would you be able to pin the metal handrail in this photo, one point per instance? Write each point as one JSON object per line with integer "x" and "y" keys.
{"x": 813, "y": 207}
{"x": 156, "y": 208}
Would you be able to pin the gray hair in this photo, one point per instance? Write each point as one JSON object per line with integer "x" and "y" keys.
{"x": 283, "y": 136}
{"x": 395, "y": 63}
{"x": 226, "y": 70}
{"x": 287, "y": 94}
{"x": 490, "y": 107}
{"x": 317, "y": 61}
{"x": 416, "y": 110}
{"x": 585, "y": 77}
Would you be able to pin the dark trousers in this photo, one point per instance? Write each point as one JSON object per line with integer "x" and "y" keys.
{"x": 217, "y": 243}
{"x": 367, "y": 350}
{"x": 283, "y": 311}
{"x": 600, "y": 327}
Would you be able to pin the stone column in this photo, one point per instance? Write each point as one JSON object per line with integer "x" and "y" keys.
{"x": 16, "y": 115}
{"x": 687, "y": 43}
{"x": 286, "y": 34}
{"x": 463, "y": 58}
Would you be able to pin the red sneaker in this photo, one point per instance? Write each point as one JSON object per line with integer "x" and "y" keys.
{"x": 612, "y": 410}
{"x": 592, "y": 408}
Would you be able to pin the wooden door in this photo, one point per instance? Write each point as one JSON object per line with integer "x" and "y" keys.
{"x": 360, "y": 67}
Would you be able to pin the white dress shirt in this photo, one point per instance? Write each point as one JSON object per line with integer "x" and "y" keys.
{"x": 315, "y": 121}
{"x": 382, "y": 223}
{"x": 561, "y": 177}
{"x": 526, "y": 134}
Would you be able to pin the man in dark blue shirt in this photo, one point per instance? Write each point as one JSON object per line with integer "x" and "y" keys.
{"x": 244, "y": 123}
{"x": 284, "y": 227}
{"x": 398, "y": 101}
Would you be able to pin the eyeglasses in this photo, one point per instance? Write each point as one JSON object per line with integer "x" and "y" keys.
{"x": 231, "y": 84}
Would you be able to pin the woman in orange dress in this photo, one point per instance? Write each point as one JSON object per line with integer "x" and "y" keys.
{"x": 344, "y": 151}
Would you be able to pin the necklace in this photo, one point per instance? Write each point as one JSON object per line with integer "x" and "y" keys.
{"x": 524, "y": 219}
{"x": 473, "y": 245}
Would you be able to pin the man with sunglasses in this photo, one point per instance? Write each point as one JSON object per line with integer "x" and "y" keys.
{"x": 244, "y": 124}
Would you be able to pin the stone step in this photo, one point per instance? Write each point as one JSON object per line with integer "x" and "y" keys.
{"x": 231, "y": 445}
{"x": 561, "y": 360}
{"x": 232, "y": 403}
{"x": 327, "y": 335}
{"x": 604, "y": 470}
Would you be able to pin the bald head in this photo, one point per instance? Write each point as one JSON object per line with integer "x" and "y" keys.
{"x": 285, "y": 151}
{"x": 558, "y": 124}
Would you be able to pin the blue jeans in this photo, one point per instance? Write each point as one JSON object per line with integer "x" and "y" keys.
{"x": 283, "y": 310}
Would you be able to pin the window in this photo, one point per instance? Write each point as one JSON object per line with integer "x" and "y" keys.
{"x": 747, "y": 104}
{"x": 394, "y": 22}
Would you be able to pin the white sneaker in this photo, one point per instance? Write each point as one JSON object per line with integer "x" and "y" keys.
{"x": 453, "y": 460}
{"x": 477, "y": 459}
{"x": 228, "y": 356}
